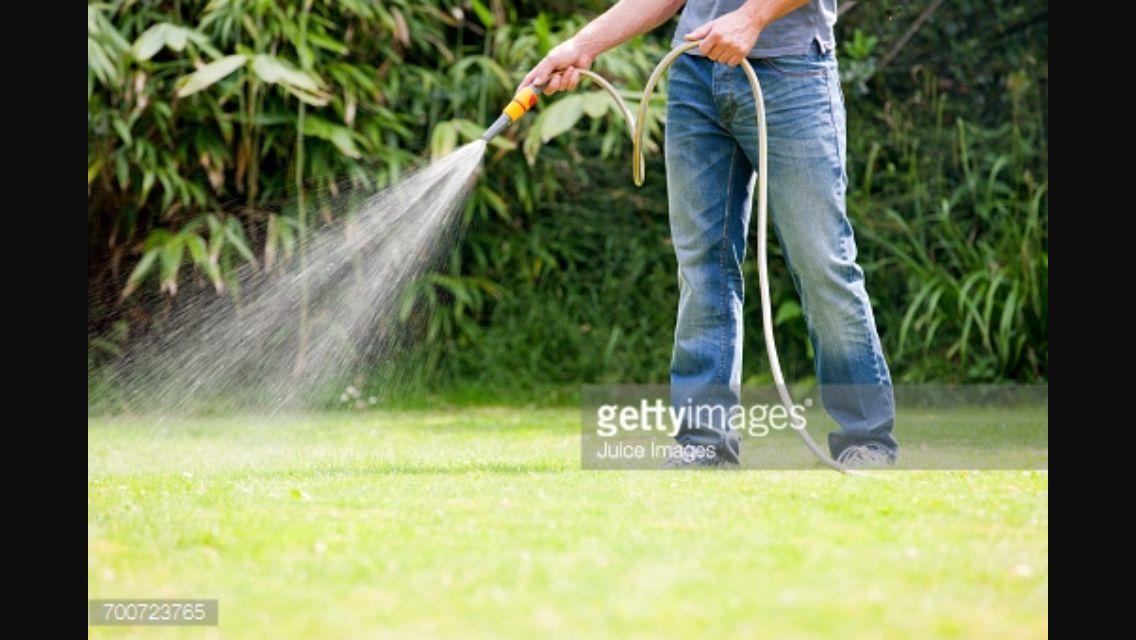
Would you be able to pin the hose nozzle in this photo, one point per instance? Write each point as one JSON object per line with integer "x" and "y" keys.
{"x": 521, "y": 103}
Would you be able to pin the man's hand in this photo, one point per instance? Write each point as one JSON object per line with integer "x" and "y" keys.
{"x": 729, "y": 38}
{"x": 560, "y": 69}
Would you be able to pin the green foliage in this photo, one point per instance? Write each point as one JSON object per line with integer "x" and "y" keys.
{"x": 949, "y": 190}
{"x": 201, "y": 114}
{"x": 205, "y": 117}
{"x": 975, "y": 262}
{"x": 857, "y": 61}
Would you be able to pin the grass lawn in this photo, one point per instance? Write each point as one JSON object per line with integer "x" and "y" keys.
{"x": 479, "y": 523}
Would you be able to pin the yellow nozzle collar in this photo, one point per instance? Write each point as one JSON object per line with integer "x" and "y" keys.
{"x": 522, "y": 102}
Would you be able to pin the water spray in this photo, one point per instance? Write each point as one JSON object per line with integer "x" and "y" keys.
{"x": 526, "y": 98}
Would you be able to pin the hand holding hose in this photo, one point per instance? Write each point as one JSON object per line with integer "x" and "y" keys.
{"x": 560, "y": 69}
{"x": 729, "y": 38}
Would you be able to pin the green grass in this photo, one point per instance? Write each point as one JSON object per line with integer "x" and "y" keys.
{"x": 479, "y": 523}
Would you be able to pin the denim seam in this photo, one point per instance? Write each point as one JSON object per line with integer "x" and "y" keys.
{"x": 850, "y": 267}
{"x": 832, "y": 119}
{"x": 722, "y": 265}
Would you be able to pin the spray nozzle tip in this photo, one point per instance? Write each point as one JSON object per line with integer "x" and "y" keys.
{"x": 497, "y": 127}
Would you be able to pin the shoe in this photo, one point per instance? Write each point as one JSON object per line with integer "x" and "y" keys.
{"x": 859, "y": 456}
{"x": 684, "y": 458}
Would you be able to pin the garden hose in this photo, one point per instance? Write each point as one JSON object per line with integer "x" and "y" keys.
{"x": 526, "y": 98}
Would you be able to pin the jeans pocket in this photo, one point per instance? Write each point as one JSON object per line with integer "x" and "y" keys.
{"x": 802, "y": 66}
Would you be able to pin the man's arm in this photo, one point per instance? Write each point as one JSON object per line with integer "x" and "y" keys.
{"x": 729, "y": 38}
{"x": 625, "y": 20}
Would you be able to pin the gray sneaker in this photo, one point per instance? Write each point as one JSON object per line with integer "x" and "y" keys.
{"x": 859, "y": 456}
{"x": 684, "y": 459}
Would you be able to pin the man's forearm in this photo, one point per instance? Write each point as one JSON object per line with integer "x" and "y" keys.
{"x": 727, "y": 38}
{"x": 764, "y": 12}
{"x": 625, "y": 20}
{"x": 629, "y": 18}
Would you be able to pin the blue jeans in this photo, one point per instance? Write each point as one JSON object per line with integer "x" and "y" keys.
{"x": 711, "y": 152}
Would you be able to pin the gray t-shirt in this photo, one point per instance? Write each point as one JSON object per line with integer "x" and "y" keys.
{"x": 793, "y": 34}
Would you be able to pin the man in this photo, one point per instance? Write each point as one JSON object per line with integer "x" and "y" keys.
{"x": 711, "y": 152}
